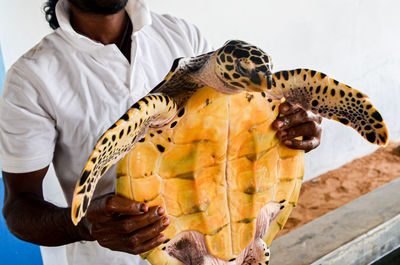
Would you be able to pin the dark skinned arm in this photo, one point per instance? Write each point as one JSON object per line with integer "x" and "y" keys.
{"x": 30, "y": 218}
{"x": 115, "y": 222}
{"x": 295, "y": 122}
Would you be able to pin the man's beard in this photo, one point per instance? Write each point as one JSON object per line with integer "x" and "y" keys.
{"x": 103, "y": 7}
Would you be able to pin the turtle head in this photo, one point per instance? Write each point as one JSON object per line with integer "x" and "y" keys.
{"x": 243, "y": 67}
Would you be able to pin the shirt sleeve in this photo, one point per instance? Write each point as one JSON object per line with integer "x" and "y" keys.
{"x": 27, "y": 131}
{"x": 199, "y": 43}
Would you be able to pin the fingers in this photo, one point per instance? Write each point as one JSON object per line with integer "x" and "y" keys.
{"x": 133, "y": 234}
{"x": 306, "y": 145}
{"x": 123, "y": 206}
{"x": 296, "y": 122}
{"x": 102, "y": 209}
{"x": 124, "y": 225}
{"x": 294, "y": 119}
{"x": 127, "y": 245}
{"x": 134, "y": 223}
{"x": 127, "y": 224}
{"x": 308, "y": 129}
{"x": 137, "y": 242}
{"x": 149, "y": 232}
{"x": 149, "y": 245}
{"x": 286, "y": 108}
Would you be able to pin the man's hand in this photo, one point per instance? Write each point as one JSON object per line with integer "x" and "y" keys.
{"x": 123, "y": 225}
{"x": 296, "y": 122}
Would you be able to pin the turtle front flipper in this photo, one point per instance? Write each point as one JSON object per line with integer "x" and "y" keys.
{"x": 152, "y": 110}
{"x": 330, "y": 99}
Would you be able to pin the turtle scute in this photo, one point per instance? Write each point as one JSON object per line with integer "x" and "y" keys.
{"x": 220, "y": 164}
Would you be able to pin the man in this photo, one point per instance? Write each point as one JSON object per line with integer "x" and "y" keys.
{"x": 64, "y": 93}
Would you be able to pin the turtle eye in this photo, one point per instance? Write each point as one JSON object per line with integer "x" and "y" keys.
{"x": 240, "y": 69}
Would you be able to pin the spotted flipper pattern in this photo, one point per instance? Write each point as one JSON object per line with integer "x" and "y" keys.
{"x": 152, "y": 110}
{"x": 331, "y": 99}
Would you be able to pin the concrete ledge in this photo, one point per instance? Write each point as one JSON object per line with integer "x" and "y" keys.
{"x": 357, "y": 233}
{"x": 368, "y": 247}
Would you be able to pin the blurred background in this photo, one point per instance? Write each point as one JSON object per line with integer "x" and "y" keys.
{"x": 354, "y": 41}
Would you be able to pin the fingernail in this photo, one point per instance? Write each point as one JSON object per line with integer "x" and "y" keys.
{"x": 162, "y": 238}
{"x": 285, "y": 108}
{"x": 279, "y": 124}
{"x": 143, "y": 208}
{"x": 283, "y": 133}
{"x": 165, "y": 221}
{"x": 160, "y": 211}
{"x": 288, "y": 142}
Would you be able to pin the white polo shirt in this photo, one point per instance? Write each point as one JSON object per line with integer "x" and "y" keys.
{"x": 61, "y": 96}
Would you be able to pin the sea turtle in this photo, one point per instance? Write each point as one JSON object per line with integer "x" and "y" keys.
{"x": 204, "y": 149}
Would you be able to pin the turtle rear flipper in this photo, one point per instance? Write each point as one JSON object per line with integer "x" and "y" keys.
{"x": 120, "y": 138}
{"x": 331, "y": 99}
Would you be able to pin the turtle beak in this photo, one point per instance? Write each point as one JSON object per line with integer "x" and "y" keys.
{"x": 261, "y": 80}
{"x": 256, "y": 77}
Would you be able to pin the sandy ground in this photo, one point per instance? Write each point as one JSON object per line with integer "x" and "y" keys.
{"x": 338, "y": 187}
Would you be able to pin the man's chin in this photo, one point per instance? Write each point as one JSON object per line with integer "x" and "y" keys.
{"x": 103, "y": 7}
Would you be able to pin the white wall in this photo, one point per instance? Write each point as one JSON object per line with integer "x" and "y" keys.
{"x": 22, "y": 25}
{"x": 356, "y": 42}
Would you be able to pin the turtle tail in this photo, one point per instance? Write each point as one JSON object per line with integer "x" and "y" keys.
{"x": 326, "y": 97}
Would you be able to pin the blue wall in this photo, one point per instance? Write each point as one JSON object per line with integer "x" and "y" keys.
{"x": 12, "y": 250}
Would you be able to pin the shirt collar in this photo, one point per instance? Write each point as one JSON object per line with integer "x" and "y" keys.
{"x": 137, "y": 11}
